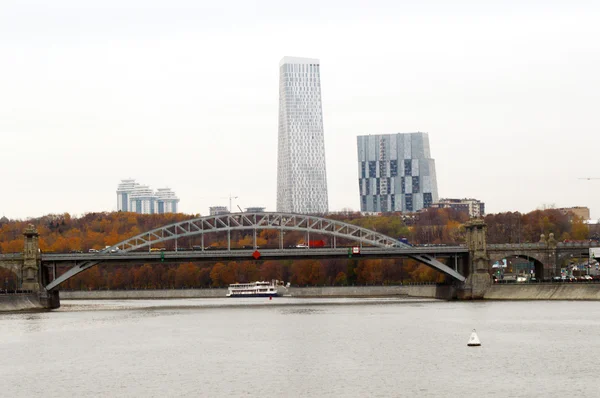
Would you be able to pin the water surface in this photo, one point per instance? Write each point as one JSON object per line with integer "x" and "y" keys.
{"x": 301, "y": 348}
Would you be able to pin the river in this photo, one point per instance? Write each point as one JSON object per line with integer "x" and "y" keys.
{"x": 301, "y": 348}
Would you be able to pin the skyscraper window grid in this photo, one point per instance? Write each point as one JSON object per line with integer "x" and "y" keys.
{"x": 396, "y": 172}
{"x": 301, "y": 172}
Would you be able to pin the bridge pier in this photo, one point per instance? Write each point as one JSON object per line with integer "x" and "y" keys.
{"x": 31, "y": 272}
{"x": 551, "y": 266}
{"x": 479, "y": 279}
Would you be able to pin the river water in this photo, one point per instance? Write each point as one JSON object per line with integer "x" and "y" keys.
{"x": 301, "y": 348}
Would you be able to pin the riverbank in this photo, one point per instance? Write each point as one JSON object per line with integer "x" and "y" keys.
{"x": 20, "y": 302}
{"x": 544, "y": 291}
{"x": 427, "y": 291}
{"x": 517, "y": 291}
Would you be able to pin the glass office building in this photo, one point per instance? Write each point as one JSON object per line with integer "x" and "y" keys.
{"x": 396, "y": 172}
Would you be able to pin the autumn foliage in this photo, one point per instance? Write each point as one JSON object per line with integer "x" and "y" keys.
{"x": 63, "y": 233}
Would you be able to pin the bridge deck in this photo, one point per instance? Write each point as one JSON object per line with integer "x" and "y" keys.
{"x": 207, "y": 255}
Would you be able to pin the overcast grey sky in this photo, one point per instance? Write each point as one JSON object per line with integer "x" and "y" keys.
{"x": 184, "y": 94}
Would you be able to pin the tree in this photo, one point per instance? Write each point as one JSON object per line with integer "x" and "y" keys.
{"x": 186, "y": 276}
{"x": 579, "y": 230}
{"x": 216, "y": 274}
{"x": 271, "y": 270}
{"x": 118, "y": 280}
{"x": 143, "y": 277}
{"x": 341, "y": 279}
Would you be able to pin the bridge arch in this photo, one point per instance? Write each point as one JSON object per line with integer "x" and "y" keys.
{"x": 253, "y": 221}
{"x": 257, "y": 221}
{"x": 514, "y": 257}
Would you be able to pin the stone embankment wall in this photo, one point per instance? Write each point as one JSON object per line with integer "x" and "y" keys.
{"x": 429, "y": 291}
{"x": 20, "y": 302}
{"x": 550, "y": 291}
{"x": 556, "y": 291}
{"x": 142, "y": 294}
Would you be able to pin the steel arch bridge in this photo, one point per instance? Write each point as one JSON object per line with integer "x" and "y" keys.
{"x": 255, "y": 221}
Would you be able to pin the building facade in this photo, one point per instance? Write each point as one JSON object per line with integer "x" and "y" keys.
{"x": 123, "y": 191}
{"x": 473, "y": 207}
{"x": 396, "y": 172}
{"x": 255, "y": 209}
{"x": 218, "y": 210}
{"x": 166, "y": 201}
{"x": 301, "y": 173}
{"x": 581, "y": 212}
{"x": 136, "y": 198}
{"x": 142, "y": 200}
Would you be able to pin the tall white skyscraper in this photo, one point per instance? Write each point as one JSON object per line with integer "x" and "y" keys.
{"x": 301, "y": 174}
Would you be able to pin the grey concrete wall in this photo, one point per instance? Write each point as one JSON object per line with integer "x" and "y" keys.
{"x": 496, "y": 292}
{"x": 347, "y": 291}
{"x": 20, "y": 302}
{"x": 142, "y": 294}
{"x": 431, "y": 291}
{"x": 555, "y": 291}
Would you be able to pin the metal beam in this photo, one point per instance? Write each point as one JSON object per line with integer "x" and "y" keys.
{"x": 443, "y": 268}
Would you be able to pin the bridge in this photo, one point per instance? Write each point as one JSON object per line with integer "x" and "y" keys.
{"x": 37, "y": 271}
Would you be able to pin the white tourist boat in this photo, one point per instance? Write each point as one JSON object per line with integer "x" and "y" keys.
{"x": 257, "y": 289}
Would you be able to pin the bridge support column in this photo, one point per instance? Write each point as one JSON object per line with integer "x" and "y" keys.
{"x": 30, "y": 273}
{"x": 479, "y": 279}
{"x": 551, "y": 265}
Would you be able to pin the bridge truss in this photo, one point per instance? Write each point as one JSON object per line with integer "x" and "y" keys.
{"x": 259, "y": 221}
{"x": 282, "y": 222}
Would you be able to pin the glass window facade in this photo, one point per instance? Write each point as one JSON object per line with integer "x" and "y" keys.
{"x": 399, "y": 169}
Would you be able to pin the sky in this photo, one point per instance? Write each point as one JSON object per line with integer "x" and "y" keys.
{"x": 184, "y": 94}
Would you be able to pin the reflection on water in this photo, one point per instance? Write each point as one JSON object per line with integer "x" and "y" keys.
{"x": 301, "y": 347}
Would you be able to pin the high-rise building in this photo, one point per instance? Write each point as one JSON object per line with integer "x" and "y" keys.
{"x": 142, "y": 200}
{"x": 137, "y": 198}
{"x": 166, "y": 201}
{"x": 123, "y": 191}
{"x": 396, "y": 172}
{"x": 301, "y": 174}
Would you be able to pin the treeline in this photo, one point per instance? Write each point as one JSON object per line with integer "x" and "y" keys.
{"x": 63, "y": 233}
{"x": 298, "y": 273}
{"x": 521, "y": 228}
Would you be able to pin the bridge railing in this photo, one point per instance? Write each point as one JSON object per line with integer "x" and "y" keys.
{"x": 577, "y": 244}
{"x": 507, "y": 246}
{"x": 11, "y": 256}
{"x": 12, "y": 292}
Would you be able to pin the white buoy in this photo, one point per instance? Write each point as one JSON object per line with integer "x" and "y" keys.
{"x": 474, "y": 340}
